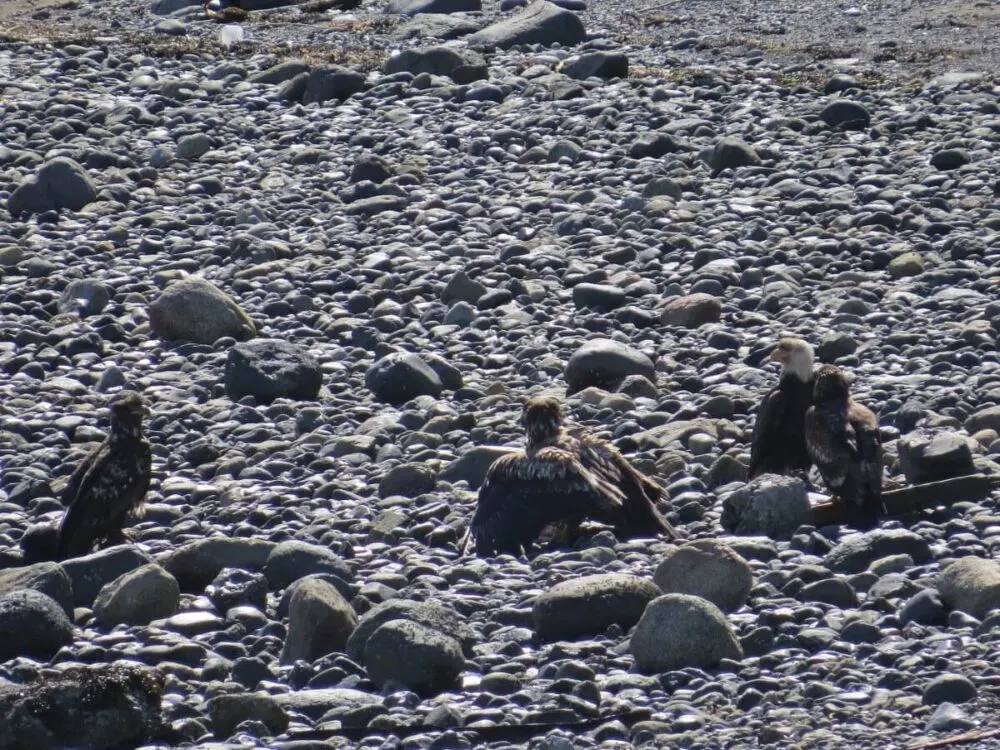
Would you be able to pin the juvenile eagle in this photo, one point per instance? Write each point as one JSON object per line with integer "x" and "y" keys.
{"x": 109, "y": 484}
{"x": 779, "y": 445}
{"x": 843, "y": 441}
{"x": 560, "y": 479}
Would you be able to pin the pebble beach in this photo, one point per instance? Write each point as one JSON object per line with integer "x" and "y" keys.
{"x": 336, "y": 249}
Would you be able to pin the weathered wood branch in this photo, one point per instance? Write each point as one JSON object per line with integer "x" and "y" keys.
{"x": 916, "y": 497}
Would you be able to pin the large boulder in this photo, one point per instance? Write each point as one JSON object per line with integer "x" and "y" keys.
{"x": 294, "y": 559}
{"x": 709, "y": 569}
{"x": 32, "y": 624}
{"x": 679, "y": 630}
{"x": 196, "y": 563}
{"x": 772, "y": 505}
{"x": 430, "y": 614}
{"x": 413, "y": 7}
{"x": 472, "y": 465}
{"x": 971, "y": 585}
{"x": 398, "y": 377}
{"x": 605, "y": 363}
{"x": 90, "y": 573}
{"x": 229, "y": 711}
{"x": 332, "y": 82}
{"x": 320, "y": 621}
{"x": 420, "y": 658}
{"x": 270, "y": 368}
{"x": 96, "y": 707}
{"x": 194, "y": 309}
{"x": 315, "y": 703}
{"x": 84, "y": 297}
{"x": 587, "y": 606}
{"x": 691, "y": 311}
{"x": 857, "y": 552}
{"x": 138, "y": 597}
{"x": 541, "y": 22}
{"x": 928, "y": 457}
{"x": 438, "y": 61}
{"x": 407, "y": 480}
{"x": 60, "y": 184}
{"x": 596, "y": 64}
{"x": 46, "y": 577}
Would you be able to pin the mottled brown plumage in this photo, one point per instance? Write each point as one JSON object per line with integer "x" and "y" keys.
{"x": 843, "y": 440}
{"x": 778, "y": 445}
{"x": 560, "y": 480}
{"x": 110, "y": 484}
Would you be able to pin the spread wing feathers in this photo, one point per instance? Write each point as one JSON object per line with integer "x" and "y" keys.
{"x": 522, "y": 495}
{"x": 638, "y": 515}
{"x": 113, "y": 485}
{"x": 845, "y": 446}
{"x": 770, "y": 414}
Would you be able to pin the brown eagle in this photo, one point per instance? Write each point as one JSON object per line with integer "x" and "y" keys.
{"x": 559, "y": 480}
{"x": 778, "y": 445}
{"x": 110, "y": 484}
{"x": 843, "y": 440}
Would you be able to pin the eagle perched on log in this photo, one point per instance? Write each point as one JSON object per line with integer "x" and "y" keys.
{"x": 843, "y": 440}
{"x": 779, "y": 445}
{"x": 110, "y": 484}
{"x": 560, "y": 479}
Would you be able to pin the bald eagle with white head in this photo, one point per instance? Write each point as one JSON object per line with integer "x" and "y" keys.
{"x": 843, "y": 440}
{"x": 559, "y": 480}
{"x": 779, "y": 445}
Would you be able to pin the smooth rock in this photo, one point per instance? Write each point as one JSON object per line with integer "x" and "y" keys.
{"x": 320, "y": 621}
{"x": 587, "y": 606}
{"x": 772, "y": 505}
{"x": 679, "y": 630}
{"x": 605, "y": 363}
{"x": 289, "y": 561}
{"x": 269, "y": 368}
{"x": 971, "y": 585}
{"x": 90, "y": 573}
{"x": 430, "y": 614}
{"x": 420, "y": 658}
{"x": 195, "y": 310}
{"x": 539, "y": 23}
{"x": 48, "y": 578}
{"x": 60, "y": 184}
{"x": 32, "y": 624}
{"x": 709, "y": 569}
{"x": 138, "y": 597}
{"x": 195, "y": 564}
{"x": 229, "y": 711}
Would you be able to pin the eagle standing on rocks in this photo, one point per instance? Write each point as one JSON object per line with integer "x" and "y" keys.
{"x": 843, "y": 441}
{"x": 110, "y": 484}
{"x": 779, "y": 445}
{"x": 560, "y": 479}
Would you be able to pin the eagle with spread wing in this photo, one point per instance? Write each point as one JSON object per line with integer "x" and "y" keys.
{"x": 778, "y": 445}
{"x": 559, "y": 480}
{"x": 110, "y": 484}
{"x": 843, "y": 441}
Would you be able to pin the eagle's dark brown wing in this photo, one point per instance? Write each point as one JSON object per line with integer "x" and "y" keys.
{"x": 869, "y": 462}
{"x": 638, "y": 515}
{"x": 523, "y": 494}
{"x": 114, "y": 484}
{"x": 845, "y": 446}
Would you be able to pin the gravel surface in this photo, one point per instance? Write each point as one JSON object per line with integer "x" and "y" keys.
{"x": 334, "y": 285}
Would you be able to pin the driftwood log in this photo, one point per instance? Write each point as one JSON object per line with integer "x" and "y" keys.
{"x": 916, "y": 497}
